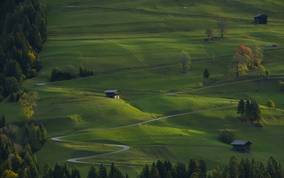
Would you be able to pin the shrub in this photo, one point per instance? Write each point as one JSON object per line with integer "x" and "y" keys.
{"x": 67, "y": 73}
{"x": 226, "y": 136}
{"x": 271, "y": 104}
{"x": 75, "y": 118}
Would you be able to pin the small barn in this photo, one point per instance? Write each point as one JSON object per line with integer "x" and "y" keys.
{"x": 260, "y": 19}
{"x": 111, "y": 94}
{"x": 241, "y": 145}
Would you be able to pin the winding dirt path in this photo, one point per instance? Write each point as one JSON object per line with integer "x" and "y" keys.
{"x": 124, "y": 148}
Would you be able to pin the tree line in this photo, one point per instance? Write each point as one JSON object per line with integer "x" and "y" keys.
{"x": 23, "y": 32}
{"x": 235, "y": 168}
{"x": 244, "y": 168}
{"x": 69, "y": 73}
{"x": 19, "y": 143}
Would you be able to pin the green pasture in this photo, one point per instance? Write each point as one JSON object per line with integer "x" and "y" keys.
{"x": 135, "y": 47}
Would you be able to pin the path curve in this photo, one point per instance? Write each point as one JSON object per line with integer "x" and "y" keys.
{"x": 124, "y": 148}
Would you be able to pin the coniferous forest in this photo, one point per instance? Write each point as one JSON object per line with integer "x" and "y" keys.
{"x": 23, "y": 32}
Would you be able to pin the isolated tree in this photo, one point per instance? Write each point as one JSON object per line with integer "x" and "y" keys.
{"x": 28, "y": 103}
{"x": 206, "y": 74}
{"x": 185, "y": 61}
{"x": 222, "y": 25}
{"x": 247, "y": 59}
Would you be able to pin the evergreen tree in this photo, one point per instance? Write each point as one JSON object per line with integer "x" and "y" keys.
{"x": 75, "y": 173}
{"x": 92, "y": 173}
{"x": 192, "y": 167}
{"x": 2, "y": 121}
{"x": 206, "y": 74}
{"x": 154, "y": 173}
{"x": 241, "y": 107}
{"x": 102, "y": 171}
{"x": 203, "y": 169}
{"x": 233, "y": 168}
{"x": 145, "y": 172}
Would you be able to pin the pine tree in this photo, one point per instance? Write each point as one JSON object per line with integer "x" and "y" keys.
{"x": 241, "y": 107}
{"x": 92, "y": 173}
{"x": 192, "y": 167}
{"x": 233, "y": 168}
{"x": 145, "y": 172}
{"x": 75, "y": 173}
{"x": 206, "y": 74}
{"x": 203, "y": 169}
{"x": 102, "y": 171}
{"x": 2, "y": 121}
{"x": 154, "y": 173}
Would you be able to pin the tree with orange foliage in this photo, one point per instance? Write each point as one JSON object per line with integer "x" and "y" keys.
{"x": 247, "y": 59}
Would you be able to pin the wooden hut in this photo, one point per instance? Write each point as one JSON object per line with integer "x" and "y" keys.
{"x": 260, "y": 19}
{"x": 241, "y": 145}
{"x": 111, "y": 94}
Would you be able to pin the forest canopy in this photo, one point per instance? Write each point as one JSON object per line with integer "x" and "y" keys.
{"x": 23, "y": 32}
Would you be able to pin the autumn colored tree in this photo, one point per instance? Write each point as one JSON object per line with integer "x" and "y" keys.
{"x": 28, "y": 103}
{"x": 247, "y": 59}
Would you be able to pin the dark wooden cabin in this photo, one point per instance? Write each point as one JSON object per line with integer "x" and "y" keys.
{"x": 111, "y": 93}
{"x": 241, "y": 145}
{"x": 260, "y": 19}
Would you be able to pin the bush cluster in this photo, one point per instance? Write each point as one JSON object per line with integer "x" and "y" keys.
{"x": 69, "y": 73}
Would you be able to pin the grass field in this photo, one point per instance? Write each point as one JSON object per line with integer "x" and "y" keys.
{"x": 135, "y": 47}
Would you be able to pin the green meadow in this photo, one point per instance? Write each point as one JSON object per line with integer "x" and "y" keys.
{"x": 135, "y": 47}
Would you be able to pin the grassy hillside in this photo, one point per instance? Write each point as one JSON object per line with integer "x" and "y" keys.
{"x": 135, "y": 46}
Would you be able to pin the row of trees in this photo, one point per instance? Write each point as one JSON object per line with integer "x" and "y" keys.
{"x": 65, "y": 171}
{"x": 22, "y": 33}
{"x": 69, "y": 73}
{"x": 244, "y": 168}
{"x": 249, "y": 110}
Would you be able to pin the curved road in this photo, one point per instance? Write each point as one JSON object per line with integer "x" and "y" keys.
{"x": 123, "y": 148}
